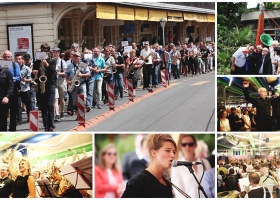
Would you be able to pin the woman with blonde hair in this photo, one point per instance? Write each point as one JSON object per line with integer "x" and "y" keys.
{"x": 108, "y": 176}
{"x": 24, "y": 186}
{"x": 151, "y": 182}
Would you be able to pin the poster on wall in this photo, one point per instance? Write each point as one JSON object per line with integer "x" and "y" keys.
{"x": 20, "y": 39}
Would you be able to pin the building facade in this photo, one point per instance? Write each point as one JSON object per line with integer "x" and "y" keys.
{"x": 90, "y": 23}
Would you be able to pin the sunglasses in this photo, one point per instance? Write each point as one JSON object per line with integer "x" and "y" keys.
{"x": 44, "y": 50}
{"x": 111, "y": 154}
{"x": 191, "y": 144}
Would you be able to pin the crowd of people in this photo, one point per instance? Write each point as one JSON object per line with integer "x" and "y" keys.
{"x": 256, "y": 60}
{"x": 264, "y": 115}
{"x": 23, "y": 181}
{"x": 252, "y": 177}
{"x": 47, "y": 83}
{"x": 147, "y": 172}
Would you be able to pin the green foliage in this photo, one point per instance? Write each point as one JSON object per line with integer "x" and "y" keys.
{"x": 228, "y": 42}
{"x": 123, "y": 142}
{"x": 209, "y": 139}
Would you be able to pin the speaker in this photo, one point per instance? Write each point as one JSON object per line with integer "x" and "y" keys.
{"x": 266, "y": 140}
{"x": 190, "y": 29}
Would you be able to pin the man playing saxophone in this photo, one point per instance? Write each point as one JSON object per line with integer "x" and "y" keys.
{"x": 145, "y": 55}
{"x": 132, "y": 65}
{"x": 46, "y": 67}
{"x": 76, "y": 78}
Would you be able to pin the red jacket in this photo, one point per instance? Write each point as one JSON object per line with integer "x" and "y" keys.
{"x": 102, "y": 182}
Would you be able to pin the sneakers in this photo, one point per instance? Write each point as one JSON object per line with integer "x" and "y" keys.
{"x": 125, "y": 91}
{"x": 156, "y": 86}
{"x": 57, "y": 118}
{"x": 105, "y": 101}
{"x": 88, "y": 108}
{"x": 61, "y": 115}
{"x": 98, "y": 106}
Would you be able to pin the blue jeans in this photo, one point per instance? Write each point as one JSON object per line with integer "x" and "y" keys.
{"x": 78, "y": 90}
{"x": 118, "y": 81}
{"x": 32, "y": 98}
{"x": 155, "y": 75}
{"x": 90, "y": 94}
{"x": 47, "y": 106}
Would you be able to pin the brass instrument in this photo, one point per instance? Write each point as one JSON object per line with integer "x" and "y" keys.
{"x": 75, "y": 156}
{"x": 7, "y": 157}
{"x": 53, "y": 167}
{"x": 174, "y": 61}
{"x": 84, "y": 153}
{"x": 75, "y": 82}
{"x": 63, "y": 163}
{"x": 130, "y": 70}
{"x": 146, "y": 59}
{"x": 42, "y": 79}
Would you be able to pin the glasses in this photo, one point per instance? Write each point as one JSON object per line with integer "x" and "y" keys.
{"x": 191, "y": 144}
{"x": 146, "y": 44}
{"x": 110, "y": 46}
{"x": 111, "y": 154}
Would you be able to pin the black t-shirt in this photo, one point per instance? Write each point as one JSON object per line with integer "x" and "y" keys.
{"x": 6, "y": 186}
{"x": 204, "y": 53}
{"x": 145, "y": 185}
{"x": 6, "y": 83}
{"x": 50, "y": 71}
{"x": 119, "y": 61}
{"x": 259, "y": 193}
{"x": 20, "y": 189}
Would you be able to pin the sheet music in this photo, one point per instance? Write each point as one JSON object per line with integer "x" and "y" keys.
{"x": 41, "y": 55}
{"x": 70, "y": 172}
{"x": 243, "y": 182}
{"x": 45, "y": 186}
{"x": 6, "y": 63}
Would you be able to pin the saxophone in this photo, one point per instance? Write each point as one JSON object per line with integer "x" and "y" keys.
{"x": 174, "y": 61}
{"x": 75, "y": 81}
{"x": 9, "y": 154}
{"x": 130, "y": 69}
{"x": 42, "y": 79}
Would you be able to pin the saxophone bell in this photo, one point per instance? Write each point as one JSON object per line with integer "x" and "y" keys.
{"x": 77, "y": 83}
{"x": 43, "y": 80}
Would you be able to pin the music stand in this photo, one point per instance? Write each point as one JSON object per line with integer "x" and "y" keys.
{"x": 79, "y": 173}
{"x": 46, "y": 188}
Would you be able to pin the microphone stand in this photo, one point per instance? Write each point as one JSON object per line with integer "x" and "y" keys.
{"x": 199, "y": 186}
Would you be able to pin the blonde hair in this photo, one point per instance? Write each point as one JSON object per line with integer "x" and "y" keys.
{"x": 101, "y": 161}
{"x": 28, "y": 164}
{"x": 154, "y": 142}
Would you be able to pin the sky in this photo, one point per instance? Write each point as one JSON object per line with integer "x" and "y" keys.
{"x": 252, "y": 4}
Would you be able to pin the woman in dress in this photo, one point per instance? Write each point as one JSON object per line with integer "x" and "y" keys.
{"x": 224, "y": 122}
{"x": 132, "y": 64}
{"x": 181, "y": 175}
{"x": 24, "y": 186}
{"x": 151, "y": 182}
{"x": 108, "y": 176}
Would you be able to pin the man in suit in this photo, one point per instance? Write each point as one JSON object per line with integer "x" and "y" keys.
{"x": 264, "y": 65}
{"x": 129, "y": 157}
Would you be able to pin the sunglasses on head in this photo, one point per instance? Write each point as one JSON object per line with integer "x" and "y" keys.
{"x": 191, "y": 144}
{"x": 110, "y": 153}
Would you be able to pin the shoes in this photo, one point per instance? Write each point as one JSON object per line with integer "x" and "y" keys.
{"x": 70, "y": 112}
{"x": 144, "y": 88}
{"x": 57, "y": 118}
{"x": 156, "y": 86}
{"x": 19, "y": 122}
{"x": 105, "y": 101}
{"x": 46, "y": 129}
{"x": 61, "y": 115}
{"x": 116, "y": 98}
{"x": 121, "y": 95}
{"x": 93, "y": 104}
{"x": 125, "y": 91}
{"x": 98, "y": 106}
{"x": 51, "y": 129}
{"x": 88, "y": 108}
{"x": 76, "y": 118}
{"x": 134, "y": 95}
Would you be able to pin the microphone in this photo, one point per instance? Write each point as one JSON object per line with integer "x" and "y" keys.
{"x": 176, "y": 163}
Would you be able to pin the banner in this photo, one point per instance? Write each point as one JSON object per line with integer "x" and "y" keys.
{"x": 125, "y": 13}
{"x": 105, "y": 11}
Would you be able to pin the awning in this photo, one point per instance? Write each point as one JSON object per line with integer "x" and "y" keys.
{"x": 210, "y": 18}
{"x": 175, "y": 16}
{"x": 105, "y": 11}
{"x": 141, "y": 14}
{"x": 125, "y": 13}
{"x": 156, "y": 15}
{"x": 195, "y": 17}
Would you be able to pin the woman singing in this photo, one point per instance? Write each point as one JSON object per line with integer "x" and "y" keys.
{"x": 133, "y": 61}
{"x": 108, "y": 177}
{"x": 149, "y": 183}
{"x": 24, "y": 186}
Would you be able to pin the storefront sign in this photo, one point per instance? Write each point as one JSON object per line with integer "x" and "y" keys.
{"x": 195, "y": 17}
{"x": 20, "y": 39}
{"x": 156, "y": 15}
{"x": 141, "y": 14}
{"x": 210, "y": 18}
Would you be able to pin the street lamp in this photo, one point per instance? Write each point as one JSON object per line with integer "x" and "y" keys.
{"x": 162, "y": 24}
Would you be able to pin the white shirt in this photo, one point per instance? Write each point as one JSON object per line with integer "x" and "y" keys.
{"x": 183, "y": 179}
{"x": 145, "y": 53}
{"x": 240, "y": 58}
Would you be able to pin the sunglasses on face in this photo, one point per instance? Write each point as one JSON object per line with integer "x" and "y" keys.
{"x": 191, "y": 144}
{"x": 111, "y": 154}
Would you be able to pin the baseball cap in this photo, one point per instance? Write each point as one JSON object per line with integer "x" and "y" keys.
{"x": 77, "y": 54}
{"x": 26, "y": 56}
{"x": 56, "y": 49}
